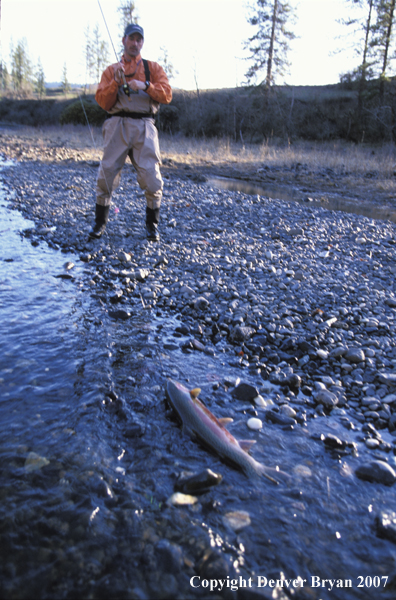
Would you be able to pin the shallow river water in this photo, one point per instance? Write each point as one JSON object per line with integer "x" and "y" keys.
{"x": 333, "y": 201}
{"x": 90, "y": 454}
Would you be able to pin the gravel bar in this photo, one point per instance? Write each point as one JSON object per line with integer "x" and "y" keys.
{"x": 296, "y": 295}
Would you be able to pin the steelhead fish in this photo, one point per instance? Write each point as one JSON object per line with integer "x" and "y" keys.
{"x": 200, "y": 422}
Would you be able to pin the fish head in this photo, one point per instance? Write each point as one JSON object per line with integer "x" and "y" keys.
{"x": 178, "y": 394}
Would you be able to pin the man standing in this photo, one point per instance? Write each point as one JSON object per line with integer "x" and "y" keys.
{"x": 131, "y": 91}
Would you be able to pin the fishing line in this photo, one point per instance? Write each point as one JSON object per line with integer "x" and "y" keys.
{"x": 93, "y": 140}
{"x": 125, "y": 86}
{"x": 116, "y": 55}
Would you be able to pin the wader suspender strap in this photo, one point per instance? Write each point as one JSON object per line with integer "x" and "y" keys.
{"x": 134, "y": 115}
{"x": 146, "y": 69}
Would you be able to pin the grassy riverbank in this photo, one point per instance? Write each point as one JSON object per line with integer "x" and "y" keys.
{"x": 363, "y": 171}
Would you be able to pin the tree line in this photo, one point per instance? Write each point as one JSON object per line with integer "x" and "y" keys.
{"x": 21, "y": 79}
{"x": 369, "y": 31}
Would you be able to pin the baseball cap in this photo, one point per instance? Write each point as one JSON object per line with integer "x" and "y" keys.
{"x": 134, "y": 28}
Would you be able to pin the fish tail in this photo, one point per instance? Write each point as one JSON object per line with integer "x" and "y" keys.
{"x": 267, "y": 472}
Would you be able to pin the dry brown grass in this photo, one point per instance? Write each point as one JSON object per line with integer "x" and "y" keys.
{"x": 353, "y": 162}
{"x": 339, "y": 156}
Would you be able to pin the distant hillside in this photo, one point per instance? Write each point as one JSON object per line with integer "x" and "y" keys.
{"x": 247, "y": 114}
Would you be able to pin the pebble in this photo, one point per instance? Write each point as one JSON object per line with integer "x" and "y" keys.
{"x": 372, "y": 443}
{"x": 386, "y": 525}
{"x": 376, "y": 471}
{"x": 34, "y": 462}
{"x": 255, "y": 424}
{"x": 262, "y": 402}
{"x": 237, "y": 520}
{"x": 179, "y": 499}
{"x": 197, "y": 483}
{"x": 245, "y": 392}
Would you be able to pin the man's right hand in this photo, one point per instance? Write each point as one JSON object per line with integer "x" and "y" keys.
{"x": 119, "y": 75}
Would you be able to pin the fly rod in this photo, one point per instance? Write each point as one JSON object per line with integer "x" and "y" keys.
{"x": 125, "y": 86}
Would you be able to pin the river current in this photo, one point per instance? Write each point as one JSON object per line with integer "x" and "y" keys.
{"x": 90, "y": 454}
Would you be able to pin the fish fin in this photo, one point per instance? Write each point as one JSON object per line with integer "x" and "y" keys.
{"x": 246, "y": 444}
{"x": 226, "y": 421}
{"x": 275, "y": 475}
{"x": 268, "y": 473}
{"x": 188, "y": 432}
{"x": 195, "y": 393}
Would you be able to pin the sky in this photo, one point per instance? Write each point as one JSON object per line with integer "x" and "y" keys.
{"x": 203, "y": 38}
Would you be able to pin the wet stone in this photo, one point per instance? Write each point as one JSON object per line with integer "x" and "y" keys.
{"x": 242, "y": 334}
{"x": 179, "y": 499}
{"x": 376, "y": 471}
{"x": 355, "y": 355}
{"x": 386, "y": 525}
{"x": 328, "y": 399}
{"x": 237, "y": 520}
{"x": 245, "y": 392}
{"x": 119, "y": 314}
{"x": 255, "y": 424}
{"x": 279, "y": 418}
{"x": 197, "y": 483}
{"x": 169, "y": 556}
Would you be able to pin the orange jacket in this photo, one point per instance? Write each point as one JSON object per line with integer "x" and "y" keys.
{"x": 159, "y": 89}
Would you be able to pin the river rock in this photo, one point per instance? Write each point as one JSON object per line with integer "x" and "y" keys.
{"x": 376, "y": 471}
{"x": 197, "y": 483}
{"x": 245, "y": 392}
{"x": 237, "y": 520}
{"x": 255, "y": 424}
{"x": 386, "y": 525}
{"x": 169, "y": 556}
{"x": 179, "y": 499}
{"x": 328, "y": 399}
{"x": 355, "y": 355}
{"x": 241, "y": 334}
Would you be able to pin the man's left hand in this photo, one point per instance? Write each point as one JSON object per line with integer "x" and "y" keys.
{"x": 136, "y": 85}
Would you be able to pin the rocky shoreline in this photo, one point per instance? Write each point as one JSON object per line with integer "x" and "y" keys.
{"x": 298, "y": 304}
{"x": 301, "y": 297}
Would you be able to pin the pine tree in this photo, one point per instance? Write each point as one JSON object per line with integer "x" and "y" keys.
{"x": 39, "y": 80}
{"x": 4, "y": 78}
{"x": 21, "y": 69}
{"x": 65, "y": 85}
{"x": 99, "y": 54}
{"x": 166, "y": 64}
{"x": 96, "y": 54}
{"x": 88, "y": 55}
{"x": 128, "y": 14}
{"x": 362, "y": 23}
{"x": 270, "y": 44}
{"x": 383, "y": 39}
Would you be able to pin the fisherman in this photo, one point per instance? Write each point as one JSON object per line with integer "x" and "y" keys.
{"x": 131, "y": 92}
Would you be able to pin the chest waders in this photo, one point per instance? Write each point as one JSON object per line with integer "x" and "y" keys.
{"x": 101, "y": 211}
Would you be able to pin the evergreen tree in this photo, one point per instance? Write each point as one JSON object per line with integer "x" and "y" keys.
{"x": 383, "y": 38}
{"x": 21, "y": 69}
{"x": 270, "y": 43}
{"x": 4, "y": 78}
{"x": 128, "y": 14}
{"x": 99, "y": 54}
{"x": 88, "y": 55}
{"x": 65, "y": 85}
{"x": 96, "y": 54}
{"x": 39, "y": 80}
{"x": 166, "y": 64}
{"x": 362, "y": 23}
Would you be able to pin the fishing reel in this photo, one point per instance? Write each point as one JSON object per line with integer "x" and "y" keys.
{"x": 128, "y": 91}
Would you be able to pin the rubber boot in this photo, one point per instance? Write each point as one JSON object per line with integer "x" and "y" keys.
{"x": 101, "y": 218}
{"x": 152, "y": 220}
